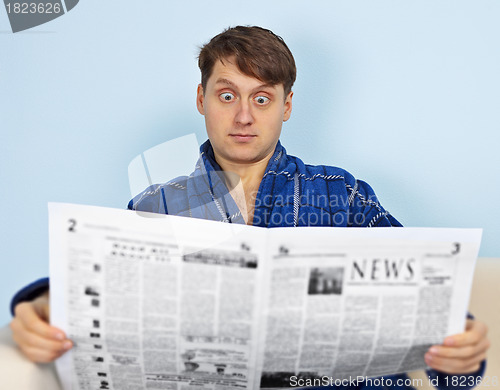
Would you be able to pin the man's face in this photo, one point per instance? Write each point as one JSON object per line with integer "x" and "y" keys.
{"x": 243, "y": 115}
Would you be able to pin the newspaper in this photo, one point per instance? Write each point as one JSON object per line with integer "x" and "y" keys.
{"x": 165, "y": 302}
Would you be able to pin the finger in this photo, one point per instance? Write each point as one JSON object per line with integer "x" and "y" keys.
{"x": 38, "y": 355}
{"x": 26, "y": 339}
{"x": 36, "y": 350}
{"x": 476, "y": 330}
{"x": 455, "y": 366}
{"x": 460, "y": 352}
{"x": 26, "y": 314}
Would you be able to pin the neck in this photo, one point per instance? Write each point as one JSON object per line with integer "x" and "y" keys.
{"x": 249, "y": 175}
{"x": 243, "y": 181}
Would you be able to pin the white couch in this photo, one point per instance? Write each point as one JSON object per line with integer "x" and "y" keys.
{"x": 17, "y": 373}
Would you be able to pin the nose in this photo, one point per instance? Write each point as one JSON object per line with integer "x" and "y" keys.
{"x": 244, "y": 115}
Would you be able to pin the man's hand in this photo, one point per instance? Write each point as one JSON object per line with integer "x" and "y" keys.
{"x": 461, "y": 353}
{"x": 40, "y": 342}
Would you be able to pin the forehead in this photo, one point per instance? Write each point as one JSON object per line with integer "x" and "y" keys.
{"x": 226, "y": 72}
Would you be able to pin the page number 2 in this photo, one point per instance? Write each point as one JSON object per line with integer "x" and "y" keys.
{"x": 72, "y": 224}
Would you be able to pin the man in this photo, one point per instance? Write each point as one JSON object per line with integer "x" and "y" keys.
{"x": 244, "y": 175}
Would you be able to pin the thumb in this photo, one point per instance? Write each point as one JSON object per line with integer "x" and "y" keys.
{"x": 42, "y": 307}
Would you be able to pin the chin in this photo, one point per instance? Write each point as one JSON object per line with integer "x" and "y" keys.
{"x": 243, "y": 158}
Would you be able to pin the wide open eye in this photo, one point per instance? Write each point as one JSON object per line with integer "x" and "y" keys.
{"x": 226, "y": 96}
{"x": 262, "y": 100}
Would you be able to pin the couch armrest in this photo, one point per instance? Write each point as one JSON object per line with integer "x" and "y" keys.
{"x": 17, "y": 372}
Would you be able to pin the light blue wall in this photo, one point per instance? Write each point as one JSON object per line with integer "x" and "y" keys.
{"x": 404, "y": 94}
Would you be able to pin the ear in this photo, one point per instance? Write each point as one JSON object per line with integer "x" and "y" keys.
{"x": 200, "y": 100}
{"x": 288, "y": 107}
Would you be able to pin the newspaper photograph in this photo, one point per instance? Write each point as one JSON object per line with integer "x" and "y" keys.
{"x": 165, "y": 302}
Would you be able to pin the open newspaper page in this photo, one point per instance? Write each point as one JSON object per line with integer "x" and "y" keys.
{"x": 342, "y": 305}
{"x": 154, "y": 302}
{"x": 165, "y": 302}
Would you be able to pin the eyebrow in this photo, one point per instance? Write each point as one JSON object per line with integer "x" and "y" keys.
{"x": 231, "y": 84}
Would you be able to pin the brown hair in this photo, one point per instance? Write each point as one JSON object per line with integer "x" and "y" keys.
{"x": 258, "y": 53}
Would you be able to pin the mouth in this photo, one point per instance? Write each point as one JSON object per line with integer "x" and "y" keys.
{"x": 241, "y": 137}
